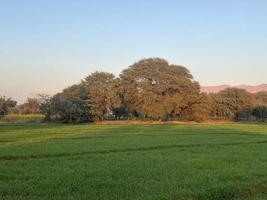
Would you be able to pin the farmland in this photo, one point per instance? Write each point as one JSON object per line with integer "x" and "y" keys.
{"x": 133, "y": 161}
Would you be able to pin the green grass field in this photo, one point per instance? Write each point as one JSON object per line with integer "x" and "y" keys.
{"x": 144, "y": 162}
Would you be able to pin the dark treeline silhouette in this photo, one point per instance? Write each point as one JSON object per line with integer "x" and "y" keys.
{"x": 149, "y": 89}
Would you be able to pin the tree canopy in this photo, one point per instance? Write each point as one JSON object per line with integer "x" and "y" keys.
{"x": 232, "y": 102}
{"x": 154, "y": 88}
{"x": 103, "y": 88}
{"x": 72, "y": 105}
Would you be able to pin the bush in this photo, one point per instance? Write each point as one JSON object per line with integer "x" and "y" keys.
{"x": 73, "y": 110}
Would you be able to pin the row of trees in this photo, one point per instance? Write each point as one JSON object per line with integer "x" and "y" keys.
{"x": 149, "y": 89}
{"x": 7, "y": 105}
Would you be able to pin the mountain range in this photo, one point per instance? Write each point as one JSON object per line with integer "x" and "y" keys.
{"x": 249, "y": 88}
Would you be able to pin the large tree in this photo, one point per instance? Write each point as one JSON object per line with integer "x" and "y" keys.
{"x": 104, "y": 91}
{"x": 154, "y": 88}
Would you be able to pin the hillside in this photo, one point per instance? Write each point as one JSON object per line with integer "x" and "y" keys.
{"x": 249, "y": 88}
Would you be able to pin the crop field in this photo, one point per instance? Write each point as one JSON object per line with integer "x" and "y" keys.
{"x": 133, "y": 161}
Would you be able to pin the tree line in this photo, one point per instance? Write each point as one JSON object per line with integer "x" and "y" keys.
{"x": 149, "y": 89}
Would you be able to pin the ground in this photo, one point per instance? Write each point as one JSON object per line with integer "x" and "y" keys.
{"x": 133, "y": 161}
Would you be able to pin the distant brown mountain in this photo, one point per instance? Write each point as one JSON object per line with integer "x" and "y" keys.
{"x": 249, "y": 88}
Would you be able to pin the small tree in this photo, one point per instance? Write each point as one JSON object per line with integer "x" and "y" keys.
{"x": 46, "y": 106}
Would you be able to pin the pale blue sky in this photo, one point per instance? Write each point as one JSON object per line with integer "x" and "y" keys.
{"x": 46, "y": 45}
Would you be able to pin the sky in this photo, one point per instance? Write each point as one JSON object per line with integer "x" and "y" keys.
{"x": 47, "y": 45}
